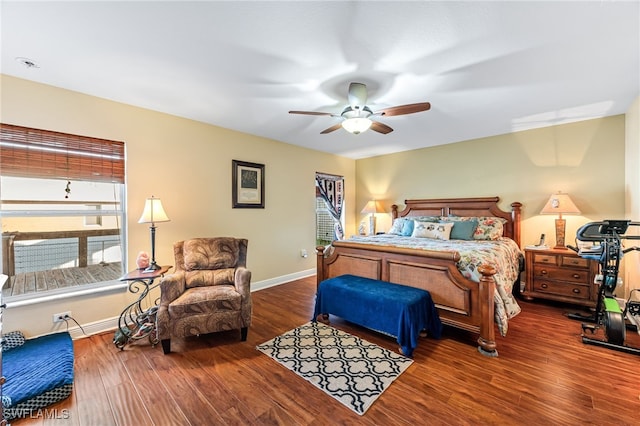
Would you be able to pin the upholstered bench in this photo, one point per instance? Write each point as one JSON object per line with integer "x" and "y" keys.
{"x": 397, "y": 310}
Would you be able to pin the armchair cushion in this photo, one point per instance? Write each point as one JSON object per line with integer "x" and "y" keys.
{"x": 206, "y": 300}
{"x": 215, "y": 277}
{"x": 211, "y": 253}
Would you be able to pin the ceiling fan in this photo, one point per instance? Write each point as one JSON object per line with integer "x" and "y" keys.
{"x": 357, "y": 116}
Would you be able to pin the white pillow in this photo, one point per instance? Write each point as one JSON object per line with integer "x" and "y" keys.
{"x": 396, "y": 227}
{"x": 437, "y": 231}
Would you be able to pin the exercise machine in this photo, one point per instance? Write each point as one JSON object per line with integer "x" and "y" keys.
{"x": 603, "y": 242}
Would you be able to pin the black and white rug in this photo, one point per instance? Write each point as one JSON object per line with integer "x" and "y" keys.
{"x": 352, "y": 370}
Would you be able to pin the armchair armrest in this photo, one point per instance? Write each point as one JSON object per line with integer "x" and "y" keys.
{"x": 171, "y": 287}
{"x": 242, "y": 281}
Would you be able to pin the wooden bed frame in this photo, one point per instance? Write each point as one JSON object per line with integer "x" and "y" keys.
{"x": 461, "y": 303}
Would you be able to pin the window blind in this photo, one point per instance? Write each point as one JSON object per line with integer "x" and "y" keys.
{"x": 35, "y": 153}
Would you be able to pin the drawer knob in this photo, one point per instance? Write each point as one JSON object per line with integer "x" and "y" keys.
{"x": 544, "y": 272}
{"x": 576, "y": 276}
{"x": 576, "y": 290}
{"x": 543, "y": 285}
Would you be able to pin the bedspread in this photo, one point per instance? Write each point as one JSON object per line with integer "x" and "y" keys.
{"x": 503, "y": 254}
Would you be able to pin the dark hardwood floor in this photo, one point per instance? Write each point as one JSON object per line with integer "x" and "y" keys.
{"x": 544, "y": 376}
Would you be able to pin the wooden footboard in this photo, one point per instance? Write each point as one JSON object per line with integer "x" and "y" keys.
{"x": 461, "y": 303}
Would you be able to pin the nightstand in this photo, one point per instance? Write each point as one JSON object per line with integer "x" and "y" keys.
{"x": 562, "y": 275}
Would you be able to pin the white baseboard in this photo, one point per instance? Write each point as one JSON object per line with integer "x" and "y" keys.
{"x": 260, "y": 285}
{"x": 96, "y": 327}
{"x": 110, "y": 324}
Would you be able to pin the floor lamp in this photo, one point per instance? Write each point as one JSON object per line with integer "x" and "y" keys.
{"x": 153, "y": 212}
{"x": 560, "y": 204}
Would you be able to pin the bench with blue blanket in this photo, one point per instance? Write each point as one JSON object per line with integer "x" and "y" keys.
{"x": 394, "y": 309}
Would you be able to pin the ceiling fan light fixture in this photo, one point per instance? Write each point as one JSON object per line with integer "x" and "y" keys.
{"x": 356, "y": 125}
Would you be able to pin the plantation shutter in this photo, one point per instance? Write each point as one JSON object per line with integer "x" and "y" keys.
{"x": 34, "y": 153}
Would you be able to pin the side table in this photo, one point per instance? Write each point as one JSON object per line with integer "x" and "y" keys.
{"x": 136, "y": 322}
{"x": 561, "y": 275}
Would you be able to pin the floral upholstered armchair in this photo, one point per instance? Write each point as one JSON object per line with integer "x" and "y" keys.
{"x": 210, "y": 290}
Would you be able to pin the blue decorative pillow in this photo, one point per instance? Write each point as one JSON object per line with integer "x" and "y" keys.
{"x": 463, "y": 230}
{"x": 407, "y": 228}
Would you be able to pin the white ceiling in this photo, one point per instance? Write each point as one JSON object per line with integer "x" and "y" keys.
{"x": 486, "y": 67}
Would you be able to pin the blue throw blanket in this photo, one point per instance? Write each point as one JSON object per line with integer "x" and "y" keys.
{"x": 393, "y": 309}
{"x": 36, "y": 367}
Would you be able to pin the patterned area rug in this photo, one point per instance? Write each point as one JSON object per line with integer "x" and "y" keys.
{"x": 352, "y": 370}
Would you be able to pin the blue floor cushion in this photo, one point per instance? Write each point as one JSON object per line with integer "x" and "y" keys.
{"x": 38, "y": 372}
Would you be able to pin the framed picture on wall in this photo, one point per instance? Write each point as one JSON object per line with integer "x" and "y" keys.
{"x": 248, "y": 184}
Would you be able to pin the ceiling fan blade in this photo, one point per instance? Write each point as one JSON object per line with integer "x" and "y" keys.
{"x": 357, "y": 95}
{"x": 405, "y": 109}
{"x": 376, "y": 126}
{"x": 311, "y": 113}
{"x": 331, "y": 129}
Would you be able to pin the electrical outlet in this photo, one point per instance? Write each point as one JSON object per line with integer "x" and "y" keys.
{"x": 303, "y": 253}
{"x": 59, "y": 317}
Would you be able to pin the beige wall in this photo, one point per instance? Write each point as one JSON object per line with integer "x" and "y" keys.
{"x": 584, "y": 159}
{"x": 188, "y": 165}
{"x": 632, "y": 185}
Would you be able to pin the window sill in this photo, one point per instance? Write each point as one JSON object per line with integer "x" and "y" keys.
{"x": 32, "y": 299}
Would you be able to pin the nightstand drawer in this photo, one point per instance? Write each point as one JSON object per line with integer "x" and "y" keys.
{"x": 575, "y": 262}
{"x": 575, "y": 291}
{"x": 553, "y": 273}
{"x": 544, "y": 258}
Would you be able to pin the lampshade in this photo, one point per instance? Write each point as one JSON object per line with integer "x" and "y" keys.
{"x": 356, "y": 125}
{"x": 372, "y": 207}
{"x": 558, "y": 204}
{"x": 153, "y": 211}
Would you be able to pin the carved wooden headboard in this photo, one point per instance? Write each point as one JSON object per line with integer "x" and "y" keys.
{"x": 480, "y": 206}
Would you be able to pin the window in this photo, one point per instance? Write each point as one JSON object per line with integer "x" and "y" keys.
{"x": 329, "y": 207}
{"x": 61, "y": 211}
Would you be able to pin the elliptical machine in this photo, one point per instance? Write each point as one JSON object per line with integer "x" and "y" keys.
{"x": 608, "y": 250}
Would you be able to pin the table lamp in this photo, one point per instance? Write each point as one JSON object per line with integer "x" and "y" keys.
{"x": 560, "y": 204}
{"x": 153, "y": 212}
{"x": 372, "y": 208}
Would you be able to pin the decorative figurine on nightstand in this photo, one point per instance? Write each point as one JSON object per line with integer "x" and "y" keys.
{"x": 362, "y": 227}
{"x": 142, "y": 261}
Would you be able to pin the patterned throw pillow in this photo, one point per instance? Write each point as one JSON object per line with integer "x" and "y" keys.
{"x": 12, "y": 340}
{"x": 404, "y": 226}
{"x": 489, "y": 227}
{"x": 407, "y": 231}
{"x": 437, "y": 231}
